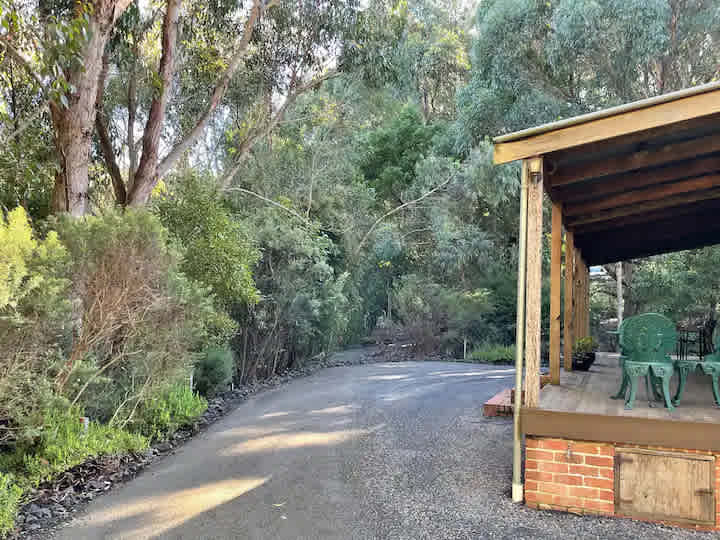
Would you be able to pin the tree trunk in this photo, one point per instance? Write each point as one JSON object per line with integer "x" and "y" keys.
{"x": 74, "y": 124}
{"x": 146, "y": 175}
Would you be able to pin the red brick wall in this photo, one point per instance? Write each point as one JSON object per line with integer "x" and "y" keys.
{"x": 572, "y": 476}
{"x": 579, "y": 477}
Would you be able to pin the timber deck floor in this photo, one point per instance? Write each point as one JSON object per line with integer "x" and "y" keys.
{"x": 589, "y": 392}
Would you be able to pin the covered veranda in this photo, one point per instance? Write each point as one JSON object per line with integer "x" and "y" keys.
{"x": 627, "y": 182}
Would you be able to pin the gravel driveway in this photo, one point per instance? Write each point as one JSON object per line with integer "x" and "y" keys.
{"x": 381, "y": 451}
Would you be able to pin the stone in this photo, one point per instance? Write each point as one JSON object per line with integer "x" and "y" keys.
{"x": 164, "y": 447}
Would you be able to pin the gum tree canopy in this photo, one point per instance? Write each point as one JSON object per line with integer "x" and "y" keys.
{"x": 149, "y": 81}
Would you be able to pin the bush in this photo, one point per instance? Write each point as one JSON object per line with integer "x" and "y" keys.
{"x": 585, "y": 345}
{"x": 64, "y": 443}
{"x": 213, "y": 371}
{"x": 435, "y": 316}
{"x": 218, "y": 250}
{"x": 140, "y": 320}
{"x": 176, "y": 407}
{"x": 10, "y": 495}
{"x": 33, "y": 311}
{"x": 494, "y": 354}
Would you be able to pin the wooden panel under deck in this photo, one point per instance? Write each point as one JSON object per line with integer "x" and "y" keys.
{"x": 658, "y": 485}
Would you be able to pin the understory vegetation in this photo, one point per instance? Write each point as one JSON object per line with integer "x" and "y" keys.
{"x": 258, "y": 183}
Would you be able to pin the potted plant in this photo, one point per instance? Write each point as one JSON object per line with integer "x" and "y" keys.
{"x": 584, "y": 353}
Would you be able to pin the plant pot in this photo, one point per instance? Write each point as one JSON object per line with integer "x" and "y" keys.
{"x": 583, "y": 361}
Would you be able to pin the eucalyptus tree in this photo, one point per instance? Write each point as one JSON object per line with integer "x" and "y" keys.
{"x": 74, "y": 50}
{"x": 419, "y": 48}
{"x": 534, "y": 62}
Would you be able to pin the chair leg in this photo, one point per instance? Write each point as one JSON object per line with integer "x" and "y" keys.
{"x": 633, "y": 391}
{"x": 716, "y": 391}
{"x": 623, "y": 388}
{"x": 666, "y": 391}
{"x": 683, "y": 371}
{"x": 657, "y": 387}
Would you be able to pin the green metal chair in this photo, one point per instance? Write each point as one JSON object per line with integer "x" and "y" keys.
{"x": 646, "y": 342}
{"x": 710, "y": 365}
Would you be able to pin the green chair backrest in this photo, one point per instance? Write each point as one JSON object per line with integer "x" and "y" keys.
{"x": 649, "y": 337}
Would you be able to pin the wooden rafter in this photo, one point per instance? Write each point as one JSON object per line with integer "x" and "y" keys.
{"x": 603, "y": 187}
{"x": 679, "y": 212}
{"x": 668, "y": 202}
{"x": 641, "y": 159}
{"x": 639, "y": 196}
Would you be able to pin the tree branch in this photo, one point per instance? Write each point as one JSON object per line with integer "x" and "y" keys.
{"x": 248, "y": 143}
{"x": 144, "y": 177}
{"x": 218, "y": 92}
{"x": 22, "y": 127}
{"x": 397, "y": 209}
{"x": 269, "y": 201}
{"x": 106, "y": 146}
{"x": 24, "y": 62}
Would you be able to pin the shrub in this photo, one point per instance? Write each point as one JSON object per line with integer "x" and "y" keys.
{"x": 213, "y": 370}
{"x": 176, "y": 407}
{"x": 219, "y": 252}
{"x": 436, "y": 316}
{"x": 585, "y": 345}
{"x": 494, "y": 354}
{"x": 64, "y": 443}
{"x": 33, "y": 311}
{"x": 10, "y": 495}
{"x": 139, "y": 319}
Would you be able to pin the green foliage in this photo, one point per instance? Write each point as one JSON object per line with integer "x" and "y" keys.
{"x": 175, "y": 407}
{"x": 64, "y": 443}
{"x": 10, "y": 496}
{"x": 494, "y": 354}
{"x": 142, "y": 319}
{"x": 393, "y": 150}
{"x": 683, "y": 285}
{"x": 219, "y": 252}
{"x": 33, "y": 309}
{"x": 585, "y": 345}
{"x": 534, "y": 62}
{"x": 213, "y": 370}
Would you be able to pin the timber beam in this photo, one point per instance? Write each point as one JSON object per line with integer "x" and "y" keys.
{"x": 632, "y": 209}
{"x": 621, "y": 183}
{"x": 646, "y": 157}
{"x": 640, "y": 196}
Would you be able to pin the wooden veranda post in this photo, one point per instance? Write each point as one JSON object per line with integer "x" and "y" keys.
{"x": 582, "y": 302}
{"x": 555, "y": 285}
{"x": 569, "y": 317}
{"x": 533, "y": 283}
{"x": 586, "y": 300}
{"x": 577, "y": 297}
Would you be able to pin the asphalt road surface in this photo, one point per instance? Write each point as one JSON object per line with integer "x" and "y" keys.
{"x": 380, "y": 451}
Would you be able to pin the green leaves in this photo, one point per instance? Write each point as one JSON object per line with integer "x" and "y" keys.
{"x": 219, "y": 251}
